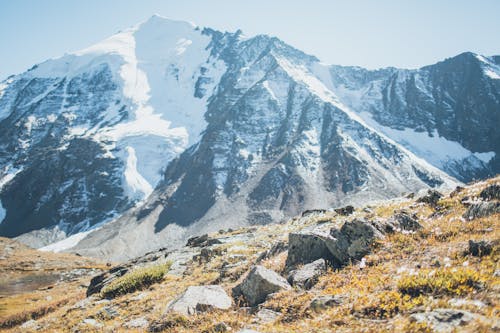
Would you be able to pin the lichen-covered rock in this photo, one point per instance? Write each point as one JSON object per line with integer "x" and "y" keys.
{"x": 405, "y": 221}
{"x": 307, "y": 276}
{"x": 491, "y": 192}
{"x": 200, "y": 299}
{"x": 306, "y": 247}
{"x": 480, "y": 248}
{"x": 258, "y": 284}
{"x": 323, "y": 302}
{"x": 482, "y": 209}
{"x": 444, "y": 320}
{"x": 432, "y": 197}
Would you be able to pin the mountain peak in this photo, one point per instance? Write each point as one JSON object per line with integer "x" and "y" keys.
{"x": 158, "y": 20}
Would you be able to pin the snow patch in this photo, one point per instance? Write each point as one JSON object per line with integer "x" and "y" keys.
{"x": 66, "y": 243}
{"x": 138, "y": 187}
{"x": 435, "y": 149}
{"x": 485, "y": 157}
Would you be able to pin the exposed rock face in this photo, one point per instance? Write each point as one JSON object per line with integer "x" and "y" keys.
{"x": 433, "y": 110}
{"x": 258, "y": 284}
{"x": 444, "y": 320}
{"x": 480, "y": 248}
{"x": 491, "y": 192}
{"x": 482, "y": 209}
{"x": 306, "y": 247}
{"x": 432, "y": 197}
{"x": 246, "y": 131}
{"x": 351, "y": 242}
{"x": 307, "y": 275}
{"x": 200, "y": 299}
{"x": 405, "y": 221}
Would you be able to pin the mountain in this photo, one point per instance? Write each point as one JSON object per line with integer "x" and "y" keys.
{"x": 166, "y": 130}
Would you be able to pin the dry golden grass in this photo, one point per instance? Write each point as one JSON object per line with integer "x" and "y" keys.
{"x": 377, "y": 298}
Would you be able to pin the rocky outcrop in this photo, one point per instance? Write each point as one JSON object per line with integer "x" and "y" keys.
{"x": 482, "y": 209}
{"x": 444, "y": 320}
{"x": 306, "y": 276}
{"x": 491, "y": 192}
{"x": 351, "y": 242}
{"x": 480, "y": 248}
{"x": 431, "y": 198}
{"x": 258, "y": 284}
{"x": 405, "y": 221}
{"x": 200, "y": 299}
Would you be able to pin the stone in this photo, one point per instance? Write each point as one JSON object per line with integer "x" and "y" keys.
{"x": 140, "y": 322}
{"x": 306, "y": 247}
{"x": 310, "y": 212}
{"x": 431, "y": 198}
{"x": 456, "y": 191}
{"x": 444, "y": 320}
{"x": 107, "y": 313}
{"x": 258, "y": 284}
{"x": 491, "y": 192}
{"x": 200, "y": 299}
{"x": 345, "y": 211}
{"x": 266, "y": 316}
{"x": 307, "y": 276}
{"x": 97, "y": 283}
{"x": 276, "y": 249}
{"x": 480, "y": 248}
{"x": 482, "y": 209}
{"x": 321, "y": 303}
{"x": 246, "y": 330}
{"x": 31, "y": 325}
{"x": 405, "y": 221}
{"x": 352, "y": 242}
{"x": 92, "y": 322}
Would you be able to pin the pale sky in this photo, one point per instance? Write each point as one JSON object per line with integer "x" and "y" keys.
{"x": 368, "y": 33}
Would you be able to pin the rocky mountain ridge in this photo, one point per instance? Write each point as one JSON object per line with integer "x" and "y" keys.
{"x": 207, "y": 130}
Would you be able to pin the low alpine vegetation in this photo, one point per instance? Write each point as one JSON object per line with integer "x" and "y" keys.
{"x": 138, "y": 279}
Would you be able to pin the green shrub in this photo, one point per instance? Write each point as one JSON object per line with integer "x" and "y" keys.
{"x": 138, "y": 279}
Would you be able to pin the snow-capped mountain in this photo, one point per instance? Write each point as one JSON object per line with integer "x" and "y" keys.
{"x": 168, "y": 130}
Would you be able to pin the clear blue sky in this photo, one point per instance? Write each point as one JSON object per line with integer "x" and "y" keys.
{"x": 368, "y": 33}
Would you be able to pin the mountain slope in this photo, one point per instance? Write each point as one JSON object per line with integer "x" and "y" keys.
{"x": 168, "y": 130}
{"x": 447, "y": 113}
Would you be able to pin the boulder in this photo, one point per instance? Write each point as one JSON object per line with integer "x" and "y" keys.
{"x": 404, "y": 221}
{"x": 321, "y": 303}
{"x": 480, "y": 248}
{"x": 305, "y": 247}
{"x": 444, "y": 320}
{"x": 200, "y": 299}
{"x": 431, "y": 198}
{"x": 258, "y": 284}
{"x": 345, "y": 211}
{"x": 266, "y": 316}
{"x": 491, "y": 192}
{"x": 98, "y": 282}
{"x": 307, "y": 276}
{"x": 353, "y": 241}
{"x": 482, "y": 209}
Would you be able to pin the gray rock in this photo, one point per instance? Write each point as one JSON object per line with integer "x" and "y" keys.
{"x": 353, "y": 241}
{"x": 444, "y": 320}
{"x": 140, "y": 322}
{"x": 405, "y": 221}
{"x": 347, "y": 210}
{"x": 306, "y": 247}
{"x": 480, "y": 248}
{"x": 258, "y": 284}
{"x": 321, "y": 303}
{"x": 482, "y": 209}
{"x": 266, "y": 316}
{"x": 307, "y": 276}
{"x": 246, "y": 330}
{"x": 432, "y": 197}
{"x": 92, "y": 322}
{"x": 100, "y": 281}
{"x": 491, "y": 192}
{"x": 200, "y": 299}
